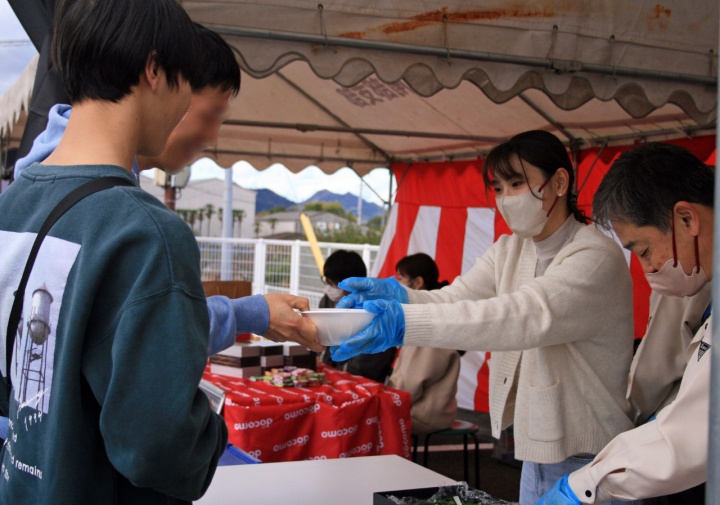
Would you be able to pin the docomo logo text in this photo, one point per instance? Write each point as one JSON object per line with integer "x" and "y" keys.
{"x": 406, "y": 443}
{"x": 357, "y": 450}
{"x": 249, "y": 425}
{"x": 292, "y": 442}
{"x": 372, "y": 420}
{"x": 312, "y": 409}
{"x": 255, "y": 454}
{"x": 396, "y": 398}
{"x": 339, "y": 433}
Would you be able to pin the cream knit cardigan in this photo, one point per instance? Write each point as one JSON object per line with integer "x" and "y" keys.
{"x": 572, "y": 328}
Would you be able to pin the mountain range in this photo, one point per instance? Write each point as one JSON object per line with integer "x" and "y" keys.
{"x": 267, "y": 199}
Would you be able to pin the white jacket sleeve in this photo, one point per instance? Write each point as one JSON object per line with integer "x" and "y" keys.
{"x": 567, "y": 304}
{"x": 664, "y": 456}
{"x": 477, "y": 284}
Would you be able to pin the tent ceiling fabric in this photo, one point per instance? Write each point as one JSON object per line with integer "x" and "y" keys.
{"x": 16, "y": 100}
{"x": 297, "y": 119}
{"x": 333, "y": 106}
{"x": 641, "y": 54}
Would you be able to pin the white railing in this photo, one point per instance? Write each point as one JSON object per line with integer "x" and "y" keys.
{"x": 273, "y": 266}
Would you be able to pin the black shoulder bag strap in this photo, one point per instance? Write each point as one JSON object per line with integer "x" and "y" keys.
{"x": 71, "y": 199}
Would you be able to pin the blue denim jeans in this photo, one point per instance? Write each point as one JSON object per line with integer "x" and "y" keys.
{"x": 536, "y": 479}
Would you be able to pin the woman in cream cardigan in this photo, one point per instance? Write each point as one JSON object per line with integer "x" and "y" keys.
{"x": 553, "y": 302}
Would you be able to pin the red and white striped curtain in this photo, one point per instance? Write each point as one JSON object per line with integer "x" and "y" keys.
{"x": 445, "y": 211}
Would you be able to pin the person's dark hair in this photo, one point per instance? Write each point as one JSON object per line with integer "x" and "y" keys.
{"x": 421, "y": 265}
{"x": 101, "y": 48}
{"x": 645, "y": 183}
{"x": 343, "y": 264}
{"x": 539, "y": 148}
{"x": 218, "y": 67}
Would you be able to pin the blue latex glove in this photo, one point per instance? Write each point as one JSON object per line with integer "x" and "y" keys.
{"x": 386, "y": 330}
{"x": 560, "y": 494}
{"x": 363, "y": 289}
{"x": 652, "y": 418}
{"x": 4, "y": 427}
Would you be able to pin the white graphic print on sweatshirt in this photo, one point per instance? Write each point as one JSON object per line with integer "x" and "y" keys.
{"x": 34, "y": 350}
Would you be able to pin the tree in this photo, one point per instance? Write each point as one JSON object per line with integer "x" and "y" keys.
{"x": 313, "y": 206}
{"x": 334, "y": 208}
{"x": 256, "y": 228}
{"x": 375, "y": 222}
{"x": 209, "y": 212}
{"x": 192, "y": 214}
{"x": 238, "y": 215}
{"x": 350, "y": 235}
{"x": 273, "y": 222}
{"x": 276, "y": 209}
{"x": 200, "y": 218}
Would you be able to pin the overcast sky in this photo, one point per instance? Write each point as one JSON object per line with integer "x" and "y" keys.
{"x": 296, "y": 187}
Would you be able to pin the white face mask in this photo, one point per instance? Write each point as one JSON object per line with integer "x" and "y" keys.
{"x": 671, "y": 279}
{"x": 334, "y": 293}
{"x": 524, "y": 213}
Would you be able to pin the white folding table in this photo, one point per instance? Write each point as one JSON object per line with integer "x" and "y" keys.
{"x": 350, "y": 481}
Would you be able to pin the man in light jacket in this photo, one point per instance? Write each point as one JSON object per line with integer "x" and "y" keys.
{"x": 659, "y": 200}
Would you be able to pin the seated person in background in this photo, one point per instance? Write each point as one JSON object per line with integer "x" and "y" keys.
{"x": 339, "y": 266}
{"x": 430, "y": 375}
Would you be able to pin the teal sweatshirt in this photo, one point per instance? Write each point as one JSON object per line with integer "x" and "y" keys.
{"x": 111, "y": 347}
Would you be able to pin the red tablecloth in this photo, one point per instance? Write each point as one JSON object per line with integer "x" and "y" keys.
{"x": 349, "y": 416}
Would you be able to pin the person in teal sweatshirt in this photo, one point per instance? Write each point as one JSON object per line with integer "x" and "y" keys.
{"x": 214, "y": 83}
{"x": 104, "y": 405}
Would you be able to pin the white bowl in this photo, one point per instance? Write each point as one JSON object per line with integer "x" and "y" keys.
{"x": 337, "y": 325}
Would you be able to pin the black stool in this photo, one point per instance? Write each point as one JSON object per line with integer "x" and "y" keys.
{"x": 458, "y": 427}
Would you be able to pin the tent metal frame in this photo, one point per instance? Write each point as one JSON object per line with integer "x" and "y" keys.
{"x": 712, "y": 492}
{"x": 563, "y": 66}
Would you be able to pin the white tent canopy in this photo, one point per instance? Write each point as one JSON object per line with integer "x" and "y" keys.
{"x": 14, "y": 104}
{"x": 364, "y": 84}
{"x": 367, "y": 83}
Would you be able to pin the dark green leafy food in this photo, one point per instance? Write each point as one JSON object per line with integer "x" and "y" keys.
{"x": 445, "y": 496}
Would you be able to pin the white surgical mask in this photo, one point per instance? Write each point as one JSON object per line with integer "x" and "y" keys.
{"x": 524, "y": 213}
{"x": 671, "y": 279}
{"x": 334, "y": 293}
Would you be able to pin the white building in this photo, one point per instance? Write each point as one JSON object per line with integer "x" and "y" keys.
{"x": 198, "y": 194}
{"x": 287, "y": 225}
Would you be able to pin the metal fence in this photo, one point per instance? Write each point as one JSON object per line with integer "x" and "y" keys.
{"x": 273, "y": 266}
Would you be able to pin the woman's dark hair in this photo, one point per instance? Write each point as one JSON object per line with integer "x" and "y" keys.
{"x": 218, "y": 67}
{"x": 100, "y": 48}
{"x": 421, "y": 265}
{"x": 644, "y": 184}
{"x": 343, "y": 264}
{"x": 539, "y": 148}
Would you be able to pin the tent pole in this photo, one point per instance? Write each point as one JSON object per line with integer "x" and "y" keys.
{"x": 301, "y": 127}
{"x": 548, "y": 117}
{"x": 712, "y": 493}
{"x": 389, "y": 200}
{"x": 462, "y": 54}
{"x": 365, "y": 183}
{"x": 226, "y": 248}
